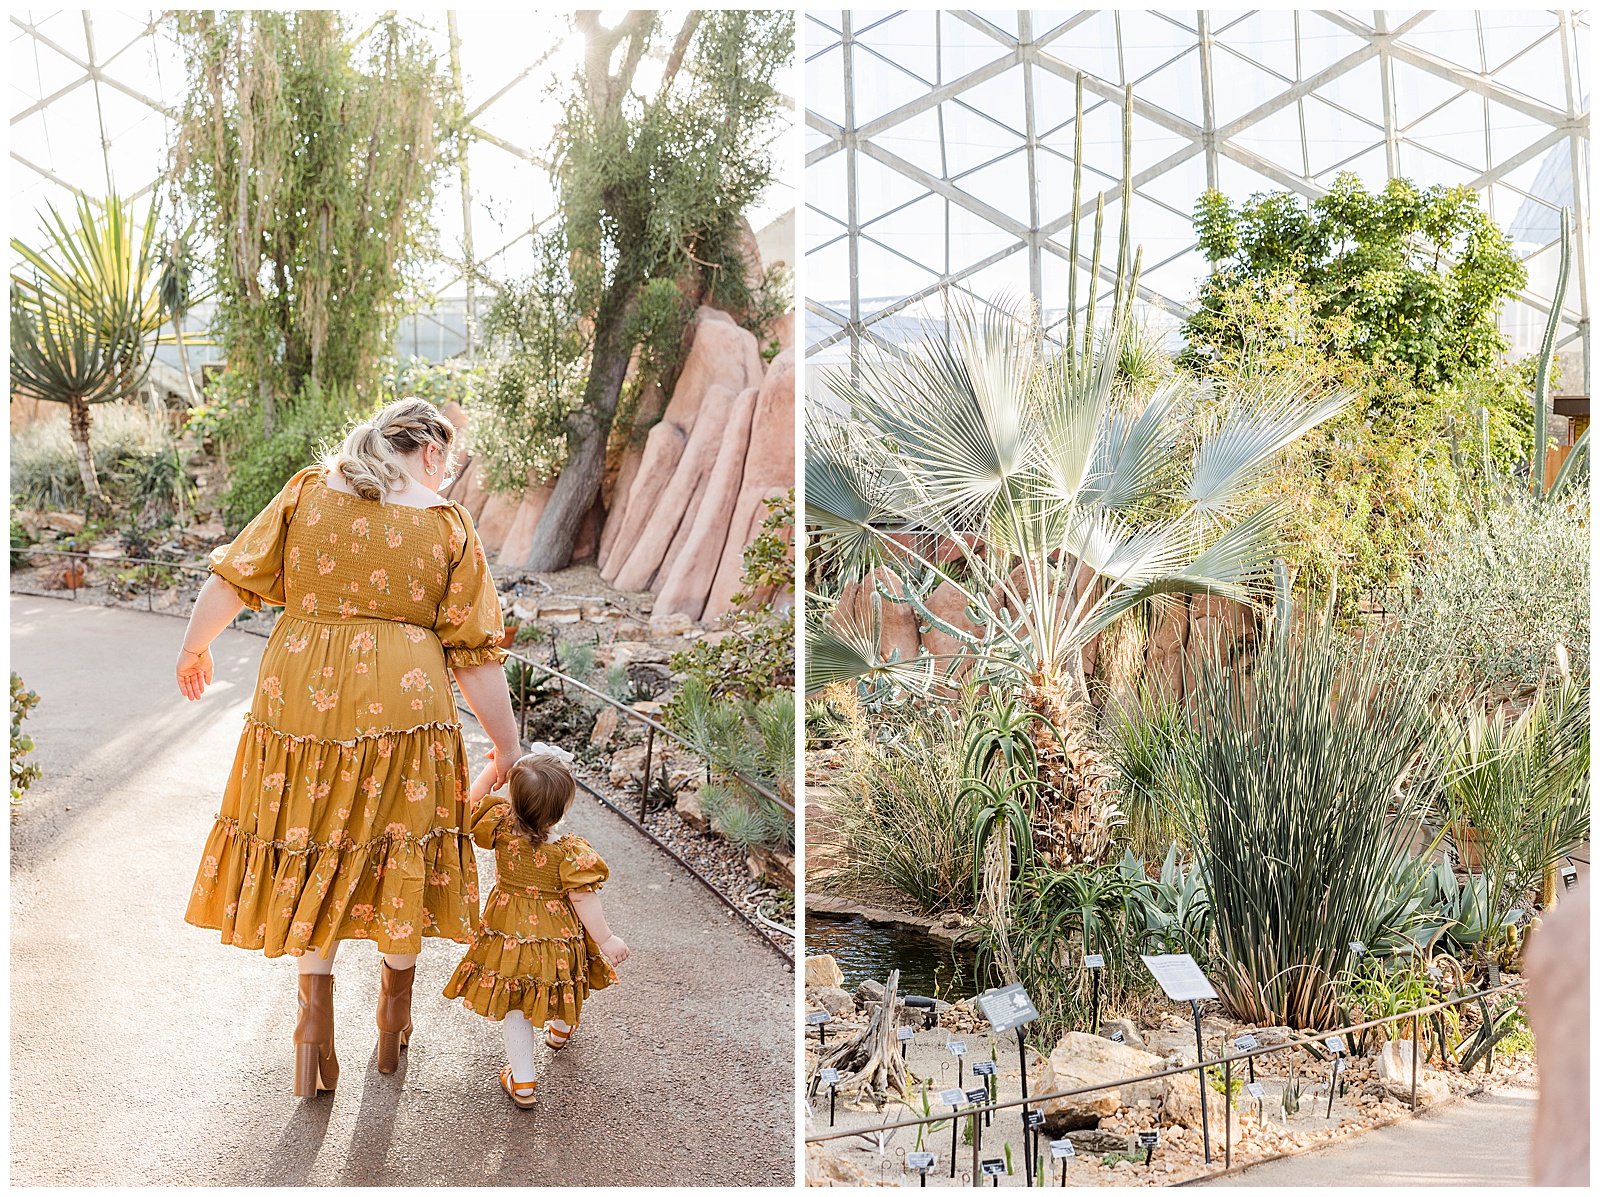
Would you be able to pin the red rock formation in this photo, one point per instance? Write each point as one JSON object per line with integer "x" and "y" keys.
{"x": 519, "y": 536}
{"x": 769, "y": 471}
{"x": 495, "y": 522}
{"x": 677, "y": 499}
{"x": 687, "y": 583}
{"x": 662, "y": 449}
{"x": 1164, "y": 652}
{"x": 948, "y": 602}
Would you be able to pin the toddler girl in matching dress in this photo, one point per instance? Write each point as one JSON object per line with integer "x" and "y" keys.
{"x": 543, "y": 945}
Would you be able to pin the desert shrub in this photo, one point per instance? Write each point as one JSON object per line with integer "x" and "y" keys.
{"x": 23, "y": 772}
{"x": 1494, "y": 597}
{"x": 135, "y": 455}
{"x": 743, "y": 742}
{"x": 259, "y": 466}
{"x": 904, "y": 817}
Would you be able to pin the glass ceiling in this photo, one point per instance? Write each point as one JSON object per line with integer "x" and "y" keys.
{"x": 93, "y": 93}
{"x": 939, "y": 146}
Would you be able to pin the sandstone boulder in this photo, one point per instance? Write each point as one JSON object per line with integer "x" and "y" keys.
{"x": 688, "y": 578}
{"x": 899, "y": 626}
{"x": 831, "y": 998}
{"x": 617, "y": 500}
{"x": 869, "y": 991}
{"x": 1079, "y": 1059}
{"x": 1099, "y": 1142}
{"x": 723, "y": 354}
{"x": 453, "y": 412}
{"x": 662, "y": 449}
{"x": 519, "y": 536}
{"x": 498, "y": 513}
{"x": 768, "y": 472}
{"x": 1163, "y": 654}
{"x": 1180, "y": 1106}
{"x": 783, "y": 331}
{"x": 1125, "y": 1027}
{"x": 688, "y": 808}
{"x": 679, "y": 499}
{"x": 823, "y": 970}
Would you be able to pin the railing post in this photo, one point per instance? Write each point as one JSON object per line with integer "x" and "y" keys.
{"x": 644, "y": 785}
{"x": 1416, "y": 1036}
{"x": 1227, "y": 1110}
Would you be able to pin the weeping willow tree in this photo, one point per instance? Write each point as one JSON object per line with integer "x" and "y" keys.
{"x": 654, "y": 183}
{"x": 307, "y": 150}
{"x": 1066, "y": 505}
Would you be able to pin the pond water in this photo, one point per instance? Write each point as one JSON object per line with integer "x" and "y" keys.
{"x": 868, "y": 951}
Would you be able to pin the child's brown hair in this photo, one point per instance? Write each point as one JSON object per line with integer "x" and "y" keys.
{"x": 541, "y": 792}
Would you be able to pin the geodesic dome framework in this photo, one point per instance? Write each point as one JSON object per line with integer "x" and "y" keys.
{"x": 939, "y": 147}
{"x": 94, "y": 94}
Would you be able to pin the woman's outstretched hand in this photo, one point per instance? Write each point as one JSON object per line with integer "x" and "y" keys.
{"x": 194, "y": 672}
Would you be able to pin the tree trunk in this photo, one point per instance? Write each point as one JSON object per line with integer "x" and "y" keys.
{"x": 588, "y": 430}
{"x": 78, "y": 428}
{"x": 183, "y": 359}
{"x": 1074, "y": 818}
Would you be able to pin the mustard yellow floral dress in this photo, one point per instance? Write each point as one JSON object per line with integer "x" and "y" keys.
{"x": 345, "y": 814}
{"x": 532, "y": 953}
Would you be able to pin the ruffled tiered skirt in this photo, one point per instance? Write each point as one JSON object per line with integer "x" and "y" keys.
{"x": 345, "y": 812}
{"x": 548, "y": 975}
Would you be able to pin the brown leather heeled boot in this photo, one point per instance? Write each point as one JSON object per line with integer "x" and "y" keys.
{"x": 316, "y": 1067}
{"x": 394, "y": 1015}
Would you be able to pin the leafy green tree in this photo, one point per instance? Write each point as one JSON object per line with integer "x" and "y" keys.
{"x": 653, "y": 191}
{"x": 307, "y": 149}
{"x": 1418, "y": 275}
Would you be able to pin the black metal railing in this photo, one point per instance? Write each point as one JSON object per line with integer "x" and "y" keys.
{"x": 1316, "y": 1044}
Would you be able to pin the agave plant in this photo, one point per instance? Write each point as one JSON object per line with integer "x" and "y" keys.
{"x": 80, "y": 315}
{"x": 1064, "y": 506}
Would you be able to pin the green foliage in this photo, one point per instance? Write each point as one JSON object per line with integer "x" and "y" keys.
{"x": 1140, "y": 745}
{"x": 1494, "y": 597}
{"x": 539, "y": 337}
{"x": 315, "y": 421}
{"x": 136, "y": 460}
{"x": 1302, "y": 785}
{"x": 23, "y": 773}
{"x": 742, "y": 739}
{"x": 80, "y": 313}
{"x": 1364, "y": 494}
{"x": 1523, "y": 784}
{"x": 903, "y": 817}
{"x": 755, "y": 655}
{"x": 306, "y": 150}
{"x": 449, "y": 381}
{"x": 1418, "y": 275}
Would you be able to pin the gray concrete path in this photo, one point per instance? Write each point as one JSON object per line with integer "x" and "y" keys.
{"x": 1479, "y": 1141}
{"x": 145, "y": 1052}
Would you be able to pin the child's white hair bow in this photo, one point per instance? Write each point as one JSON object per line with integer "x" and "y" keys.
{"x": 540, "y": 749}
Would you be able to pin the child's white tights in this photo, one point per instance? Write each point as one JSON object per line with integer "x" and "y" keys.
{"x": 519, "y": 1046}
{"x": 520, "y": 1036}
{"x": 310, "y": 962}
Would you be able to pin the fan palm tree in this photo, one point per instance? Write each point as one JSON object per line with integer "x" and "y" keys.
{"x": 80, "y": 316}
{"x": 1065, "y": 504}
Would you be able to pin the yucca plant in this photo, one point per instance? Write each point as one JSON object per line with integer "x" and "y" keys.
{"x": 80, "y": 315}
{"x": 1303, "y": 782}
{"x": 1066, "y": 506}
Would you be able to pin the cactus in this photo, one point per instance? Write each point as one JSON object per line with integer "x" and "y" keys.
{"x": 1547, "y": 353}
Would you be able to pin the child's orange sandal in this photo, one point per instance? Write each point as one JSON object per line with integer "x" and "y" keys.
{"x": 521, "y": 1095}
{"x": 554, "y": 1039}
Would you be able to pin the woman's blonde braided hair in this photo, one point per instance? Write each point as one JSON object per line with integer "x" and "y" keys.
{"x": 371, "y": 457}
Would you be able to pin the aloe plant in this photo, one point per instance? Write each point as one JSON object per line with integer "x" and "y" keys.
{"x": 80, "y": 313}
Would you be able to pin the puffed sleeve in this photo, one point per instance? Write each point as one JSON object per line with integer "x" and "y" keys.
{"x": 469, "y": 624}
{"x": 253, "y": 563}
{"x": 582, "y": 870}
{"x": 487, "y": 820}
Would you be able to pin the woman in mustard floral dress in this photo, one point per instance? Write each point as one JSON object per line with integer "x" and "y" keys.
{"x": 346, "y": 815}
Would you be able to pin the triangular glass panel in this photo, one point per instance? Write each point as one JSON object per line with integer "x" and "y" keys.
{"x": 826, "y": 186}
{"x": 1090, "y": 47}
{"x": 964, "y": 49}
{"x": 1538, "y": 74}
{"x": 882, "y": 87}
{"x": 885, "y": 278}
{"x": 1001, "y": 99}
{"x": 880, "y": 189}
{"x": 972, "y": 239}
{"x": 1450, "y": 34}
{"x": 1323, "y": 43}
{"x": 917, "y": 140}
{"x": 907, "y": 40}
{"x": 1455, "y": 131}
{"x": 917, "y": 232}
{"x": 1003, "y": 185}
{"x": 825, "y": 84}
{"x": 972, "y": 140}
{"x": 1507, "y": 34}
{"x": 1371, "y": 167}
